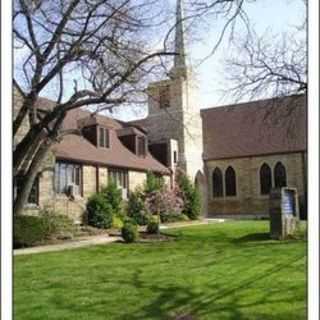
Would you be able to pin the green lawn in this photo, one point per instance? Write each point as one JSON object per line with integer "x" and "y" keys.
{"x": 220, "y": 271}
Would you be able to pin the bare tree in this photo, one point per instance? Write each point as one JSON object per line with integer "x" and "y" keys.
{"x": 105, "y": 47}
{"x": 269, "y": 65}
{"x": 101, "y": 42}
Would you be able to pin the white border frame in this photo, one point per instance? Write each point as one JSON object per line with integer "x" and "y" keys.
{"x": 6, "y": 160}
{"x": 313, "y": 159}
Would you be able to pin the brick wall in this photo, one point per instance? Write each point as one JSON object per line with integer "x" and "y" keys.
{"x": 249, "y": 199}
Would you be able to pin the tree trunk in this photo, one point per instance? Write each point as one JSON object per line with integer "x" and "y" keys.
{"x": 28, "y": 144}
{"x": 29, "y": 178}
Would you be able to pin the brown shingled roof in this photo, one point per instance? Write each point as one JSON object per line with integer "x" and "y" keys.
{"x": 77, "y": 148}
{"x": 255, "y": 128}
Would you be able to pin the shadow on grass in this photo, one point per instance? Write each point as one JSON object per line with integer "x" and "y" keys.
{"x": 258, "y": 239}
{"x": 253, "y": 237}
{"x": 220, "y": 299}
{"x": 217, "y": 301}
{"x": 239, "y": 295}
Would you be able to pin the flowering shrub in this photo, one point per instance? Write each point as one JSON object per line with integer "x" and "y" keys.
{"x": 165, "y": 202}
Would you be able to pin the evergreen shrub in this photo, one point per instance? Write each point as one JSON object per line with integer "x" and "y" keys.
{"x": 129, "y": 232}
{"x": 136, "y": 208}
{"x": 153, "y": 226}
{"x": 100, "y": 212}
{"x": 191, "y": 196}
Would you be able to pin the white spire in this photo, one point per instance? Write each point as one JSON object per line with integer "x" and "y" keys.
{"x": 180, "y": 59}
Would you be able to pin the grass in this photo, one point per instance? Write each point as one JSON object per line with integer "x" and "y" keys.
{"x": 219, "y": 271}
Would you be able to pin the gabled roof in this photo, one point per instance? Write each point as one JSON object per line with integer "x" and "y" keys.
{"x": 255, "y": 128}
{"x": 77, "y": 148}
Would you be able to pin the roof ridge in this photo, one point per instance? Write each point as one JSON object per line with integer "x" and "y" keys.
{"x": 251, "y": 103}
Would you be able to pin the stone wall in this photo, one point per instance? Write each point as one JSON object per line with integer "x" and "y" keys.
{"x": 103, "y": 177}
{"x": 181, "y": 121}
{"x": 136, "y": 178}
{"x": 46, "y": 181}
{"x": 248, "y": 199}
{"x": 73, "y": 208}
{"x": 167, "y": 181}
{"x": 89, "y": 176}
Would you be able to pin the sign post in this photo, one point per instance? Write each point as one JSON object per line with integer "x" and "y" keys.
{"x": 284, "y": 212}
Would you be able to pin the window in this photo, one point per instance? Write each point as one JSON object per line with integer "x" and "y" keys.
{"x": 164, "y": 97}
{"x": 217, "y": 183}
{"x": 265, "y": 179}
{"x": 230, "y": 180}
{"x": 175, "y": 157}
{"x": 119, "y": 176}
{"x": 34, "y": 193}
{"x": 280, "y": 176}
{"x": 66, "y": 174}
{"x": 103, "y": 137}
{"x": 141, "y": 146}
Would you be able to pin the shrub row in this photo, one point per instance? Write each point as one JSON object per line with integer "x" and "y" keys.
{"x": 105, "y": 209}
{"x": 34, "y": 230}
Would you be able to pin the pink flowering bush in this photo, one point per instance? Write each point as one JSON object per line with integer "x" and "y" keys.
{"x": 167, "y": 203}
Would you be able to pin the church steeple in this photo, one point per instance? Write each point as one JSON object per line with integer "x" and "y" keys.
{"x": 174, "y": 119}
{"x": 179, "y": 67}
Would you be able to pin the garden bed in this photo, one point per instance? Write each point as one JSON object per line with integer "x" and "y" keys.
{"x": 147, "y": 237}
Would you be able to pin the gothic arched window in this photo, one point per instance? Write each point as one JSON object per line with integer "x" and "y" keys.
{"x": 217, "y": 187}
{"x": 280, "y": 176}
{"x": 265, "y": 179}
{"x": 230, "y": 181}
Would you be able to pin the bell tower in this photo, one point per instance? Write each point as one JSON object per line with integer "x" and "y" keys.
{"x": 173, "y": 110}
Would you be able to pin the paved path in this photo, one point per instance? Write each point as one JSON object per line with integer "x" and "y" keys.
{"x": 85, "y": 242}
{"x": 102, "y": 239}
{"x": 190, "y": 223}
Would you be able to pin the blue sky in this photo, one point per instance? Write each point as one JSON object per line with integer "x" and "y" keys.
{"x": 274, "y": 16}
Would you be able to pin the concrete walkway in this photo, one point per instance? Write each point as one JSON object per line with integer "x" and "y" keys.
{"x": 103, "y": 239}
{"x": 79, "y": 243}
{"x": 190, "y": 223}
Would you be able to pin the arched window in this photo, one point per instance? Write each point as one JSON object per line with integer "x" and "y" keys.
{"x": 217, "y": 183}
{"x": 230, "y": 180}
{"x": 280, "y": 176}
{"x": 265, "y": 179}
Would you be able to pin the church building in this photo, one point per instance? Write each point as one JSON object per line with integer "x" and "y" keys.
{"x": 235, "y": 154}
